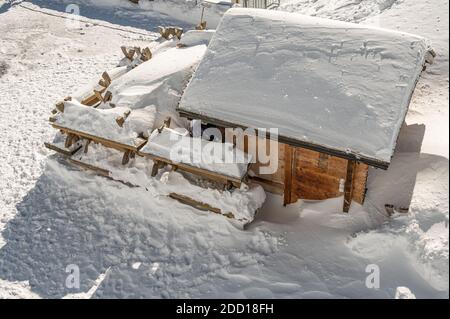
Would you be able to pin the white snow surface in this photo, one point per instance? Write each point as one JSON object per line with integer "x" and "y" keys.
{"x": 52, "y": 215}
{"x": 243, "y": 203}
{"x": 343, "y": 86}
{"x": 159, "y": 81}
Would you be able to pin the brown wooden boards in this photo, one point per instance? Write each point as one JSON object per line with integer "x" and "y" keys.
{"x": 318, "y": 176}
{"x": 289, "y": 157}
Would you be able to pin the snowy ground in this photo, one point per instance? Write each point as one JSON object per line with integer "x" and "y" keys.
{"x": 129, "y": 243}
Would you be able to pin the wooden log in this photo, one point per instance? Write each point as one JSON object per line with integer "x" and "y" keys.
{"x": 348, "y": 188}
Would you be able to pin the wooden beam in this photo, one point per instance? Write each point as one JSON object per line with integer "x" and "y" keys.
{"x": 96, "y": 169}
{"x": 138, "y": 142}
{"x": 288, "y": 174}
{"x": 348, "y": 188}
{"x": 196, "y": 170}
{"x": 66, "y": 152}
{"x": 268, "y": 185}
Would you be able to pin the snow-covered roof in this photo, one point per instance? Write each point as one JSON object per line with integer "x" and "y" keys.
{"x": 332, "y": 86}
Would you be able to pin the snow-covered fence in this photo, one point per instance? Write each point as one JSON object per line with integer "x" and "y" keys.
{"x": 261, "y": 4}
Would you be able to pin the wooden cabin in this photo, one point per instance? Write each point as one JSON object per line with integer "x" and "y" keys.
{"x": 337, "y": 93}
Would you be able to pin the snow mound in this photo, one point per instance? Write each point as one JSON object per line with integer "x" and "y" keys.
{"x": 404, "y": 293}
{"x": 243, "y": 203}
{"x": 159, "y": 81}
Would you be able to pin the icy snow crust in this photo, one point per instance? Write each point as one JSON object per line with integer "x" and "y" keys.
{"x": 343, "y": 86}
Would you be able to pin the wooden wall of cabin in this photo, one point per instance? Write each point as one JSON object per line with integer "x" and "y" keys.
{"x": 314, "y": 175}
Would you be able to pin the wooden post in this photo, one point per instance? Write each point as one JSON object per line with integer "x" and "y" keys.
{"x": 155, "y": 168}
{"x": 348, "y": 188}
{"x": 289, "y": 152}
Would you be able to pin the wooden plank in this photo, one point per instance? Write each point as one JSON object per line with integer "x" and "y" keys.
{"x": 268, "y": 185}
{"x": 196, "y": 204}
{"x": 63, "y": 151}
{"x": 288, "y": 174}
{"x": 93, "y": 99}
{"x": 206, "y": 207}
{"x": 139, "y": 142}
{"x": 96, "y": 169}
{"x": 195, "y": 170}
{"x": 348, "y": 188}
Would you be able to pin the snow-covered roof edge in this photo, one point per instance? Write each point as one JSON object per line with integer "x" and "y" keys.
{"x": 344, "y": 153}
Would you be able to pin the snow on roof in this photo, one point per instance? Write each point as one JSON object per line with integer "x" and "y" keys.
{"x": 327, "y": 85}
